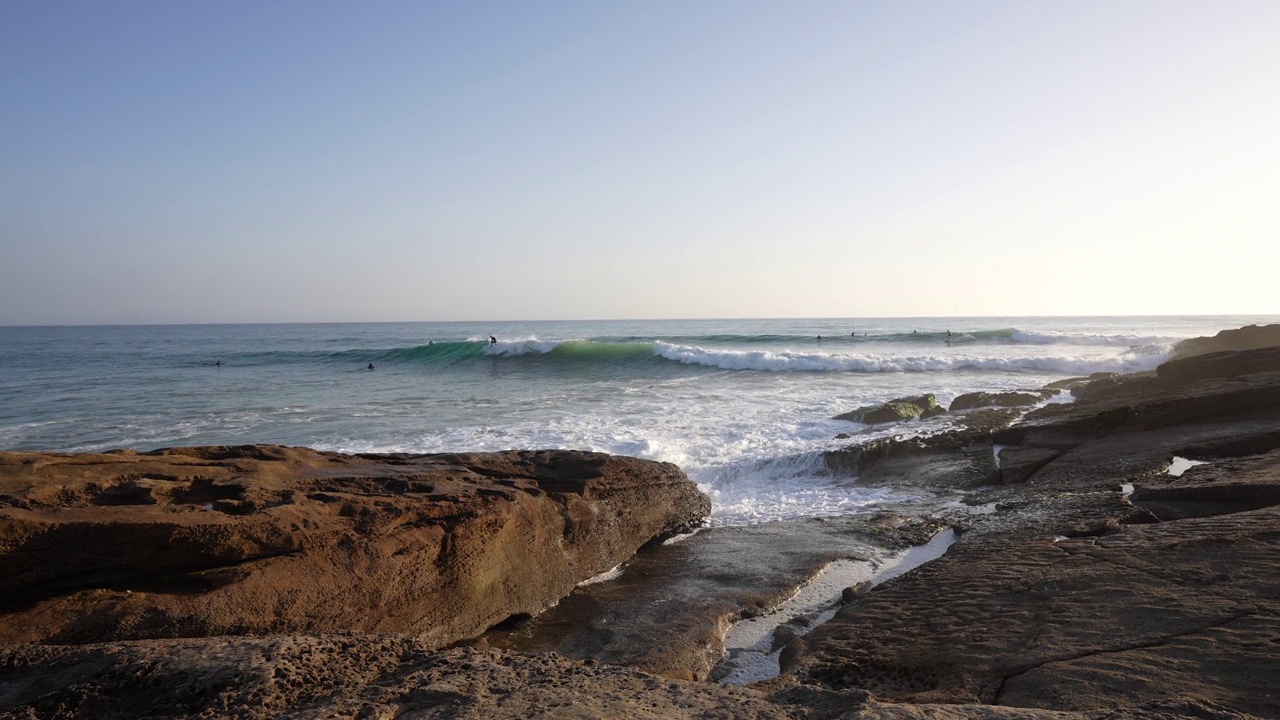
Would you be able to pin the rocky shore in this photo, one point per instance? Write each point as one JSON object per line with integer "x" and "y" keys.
{"x": 1087, "y": 580}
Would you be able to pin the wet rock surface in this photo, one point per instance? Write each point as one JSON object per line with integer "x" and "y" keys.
{"x": 896, "y": 410}
{"x": 263, "y": 539}
{"x": 1075, "y": 594}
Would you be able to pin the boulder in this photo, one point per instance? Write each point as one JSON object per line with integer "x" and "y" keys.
{"x": 212, "y": 541}
{"x": 968, "y": 401}
{"x": 895, "y": 410}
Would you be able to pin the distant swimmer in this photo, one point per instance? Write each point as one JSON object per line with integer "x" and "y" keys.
{"x": 948, "y": 333}
{"x": 819, "y": 338}
{"x": 218, "y": 364}
{"x": 430, "y": 343}
{"x": 370, "y": 366}
{"x": 493, "y": 340}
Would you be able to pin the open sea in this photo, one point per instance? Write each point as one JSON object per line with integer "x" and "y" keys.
{"x": 743, "y": 406}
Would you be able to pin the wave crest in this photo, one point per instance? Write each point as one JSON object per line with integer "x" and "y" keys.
{"x": 763, "y": 360}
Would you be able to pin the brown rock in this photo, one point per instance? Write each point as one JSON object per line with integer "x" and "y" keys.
{"x": 1220, "y": 365}
{"x": 383, "y": 677}
{"x": 968, "y": 401}
{"x": 898, "y": 409}
{"x": 265, "y": 539}
{"x": 1245, "y": 338}
{"x": 959, "y": 458}
{"x": 1018, "y": 464}
{"x": 1121, "y": 615}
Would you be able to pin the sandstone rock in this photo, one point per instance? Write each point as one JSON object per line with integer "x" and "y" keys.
{"x": 958, "y": 458}
{"x": 383, "y": 677}
{"x": 264, "y": 539}
{"x": 1122, "y": 614}
{"x": 972, "y": 400}
{"x": 1069, "y": 383}
{"x": 1018, "y": 464}
{"x": 934, "y": 411}
{"x": 1245, "y": 338}
{"x": 853, "y": 592}
{"x": 895, "y": 410}
{"x": 1118, "y": 385}
{"x": 667, "y": 612}
{"x": 1220, "y": 365}
{"x": 1094, "y": 623}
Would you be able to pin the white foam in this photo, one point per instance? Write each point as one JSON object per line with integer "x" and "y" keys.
{"x": 781, "y": 488}
{"x": 1051, "y": 337}
{"x": 789, "y": 361}
{"x": 749, "y": 643}
{"x": 524, "y": 346}
{"x": 1180, "y": 465}
{"x": 606, "y": 576}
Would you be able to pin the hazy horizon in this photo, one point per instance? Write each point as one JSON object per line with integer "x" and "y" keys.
{"x": 1257, "y": 316}
{"x": 309, "y": 162}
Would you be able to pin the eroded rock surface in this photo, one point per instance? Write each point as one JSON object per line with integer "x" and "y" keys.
{"x": 262, "y": 539}
{"x": 1077, "y": 596}
{"x": 379, "y": 677}
{"x": 1245, "y": 338}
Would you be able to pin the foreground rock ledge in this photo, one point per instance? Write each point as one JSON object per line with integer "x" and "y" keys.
{"x": 191, "y": 542}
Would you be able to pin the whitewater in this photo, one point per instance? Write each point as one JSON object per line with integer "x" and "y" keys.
{"x": 743, "y": 406}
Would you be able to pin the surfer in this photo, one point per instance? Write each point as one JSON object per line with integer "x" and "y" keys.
{"x": 218, "y": 364}
{"x": 948, "y": 333}
{"x": 370, "y": 366}
{"x": 430, "y": 343}
{"x": 492, "y": 341}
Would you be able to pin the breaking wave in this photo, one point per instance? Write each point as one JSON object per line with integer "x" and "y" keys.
{"x": 635, "y": 353}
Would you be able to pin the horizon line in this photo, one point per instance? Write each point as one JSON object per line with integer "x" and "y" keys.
{"x": 629, "y": 319}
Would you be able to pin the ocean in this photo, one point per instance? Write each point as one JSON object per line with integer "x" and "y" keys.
{"x": 743, "y": 406}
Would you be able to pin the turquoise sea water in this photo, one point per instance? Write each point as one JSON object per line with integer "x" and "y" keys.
{"x": 744, "y": 406}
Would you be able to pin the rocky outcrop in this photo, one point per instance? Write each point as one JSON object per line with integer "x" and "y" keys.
{"x": 968, "y": 401}
{"x": 907, "y": 408}
{"x": 211, "y": 541}
{"x": 1074, "y": 595}
{"x": 378, "y": 677}
{"x": 1115, "y": 616}
{"x": 958, "y": 458}
{"x": 1249, "y": 337}
{"x": 1220, "y": 365}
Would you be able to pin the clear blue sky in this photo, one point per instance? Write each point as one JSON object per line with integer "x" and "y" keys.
{"x": 316, "y": 161}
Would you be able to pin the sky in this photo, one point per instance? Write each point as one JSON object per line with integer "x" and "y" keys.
{"x": 315, "y": 161}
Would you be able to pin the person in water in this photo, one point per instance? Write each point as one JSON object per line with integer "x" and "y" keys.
{"x": 218, "y": 364}
{"x": 493, "y": 340}
{"x": 370, "y": 366}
